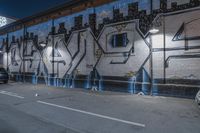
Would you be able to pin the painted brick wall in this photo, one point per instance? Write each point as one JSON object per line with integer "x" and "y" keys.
{"x": 80, "y": 50}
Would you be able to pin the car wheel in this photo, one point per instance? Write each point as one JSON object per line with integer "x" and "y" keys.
{"x": 5, "y": 82}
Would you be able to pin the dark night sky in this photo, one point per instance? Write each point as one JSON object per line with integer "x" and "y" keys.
{"x": 24, "y": 8}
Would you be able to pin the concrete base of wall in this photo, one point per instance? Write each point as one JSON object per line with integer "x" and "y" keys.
{"x": 127, "y": 86}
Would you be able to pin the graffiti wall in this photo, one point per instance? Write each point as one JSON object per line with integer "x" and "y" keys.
{"x": 110, "y": 48}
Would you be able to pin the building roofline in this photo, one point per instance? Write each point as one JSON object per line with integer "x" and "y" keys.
{"x": 10, "y": 17}
{"x": 52, "y": 13}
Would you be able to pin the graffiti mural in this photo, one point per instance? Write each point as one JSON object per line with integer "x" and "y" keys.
{"x": 31, "y": 55}
{"x": 57, "y": 57}
{"x": 15, "y": 60}
{"x": 110, "y": 47}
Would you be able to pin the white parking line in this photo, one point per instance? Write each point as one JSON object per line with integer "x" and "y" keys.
{"x": 11, "y": 94}
{"x": 94, "y": 114}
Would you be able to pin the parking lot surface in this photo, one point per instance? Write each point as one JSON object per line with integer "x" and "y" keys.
{"x": 27, "y": 108}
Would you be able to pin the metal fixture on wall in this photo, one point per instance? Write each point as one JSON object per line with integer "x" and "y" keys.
{"x": 152, "y": 31}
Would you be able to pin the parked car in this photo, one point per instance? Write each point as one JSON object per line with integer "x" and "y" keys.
{"x": 3, "y": 75}
{"x": 197, "y": 99}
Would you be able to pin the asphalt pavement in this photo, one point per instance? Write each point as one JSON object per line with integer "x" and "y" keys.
{"x": 27, "y": 108}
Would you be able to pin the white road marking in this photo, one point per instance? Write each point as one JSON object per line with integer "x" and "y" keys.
{"x": 11, "y": 94}
{"x": 94, "y": 114}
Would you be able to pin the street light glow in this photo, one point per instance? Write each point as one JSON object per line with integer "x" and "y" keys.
{"x": 3, "y": 21}
{"x": 154, "y": 30}
{"x": 43, "y": 44}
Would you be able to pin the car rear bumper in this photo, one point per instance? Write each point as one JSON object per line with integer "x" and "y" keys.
{"x": 3, "y": 77}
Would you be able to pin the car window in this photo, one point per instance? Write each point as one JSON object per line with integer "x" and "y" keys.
{"x": 2, "y": 70}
